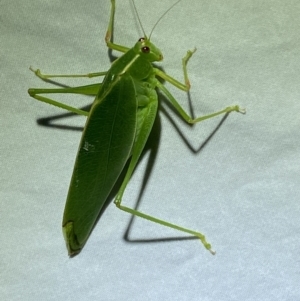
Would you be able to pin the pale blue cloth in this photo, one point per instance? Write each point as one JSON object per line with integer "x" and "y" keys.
{"x": 241, "y": 189}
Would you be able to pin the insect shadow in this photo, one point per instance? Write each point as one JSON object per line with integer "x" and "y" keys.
{"x": 152, "y": 146}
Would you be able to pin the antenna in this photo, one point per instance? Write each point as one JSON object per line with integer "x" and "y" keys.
{"x": 138, "y": 17}
{"x": 160, "y": 18}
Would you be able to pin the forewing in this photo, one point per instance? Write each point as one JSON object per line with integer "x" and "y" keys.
{"x": 105, "y": 146}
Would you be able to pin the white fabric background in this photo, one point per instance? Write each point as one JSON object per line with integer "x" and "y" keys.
{"x": 241, "y": 189}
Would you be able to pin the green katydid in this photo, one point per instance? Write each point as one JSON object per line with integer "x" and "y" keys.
{"x": 117, "y": 128}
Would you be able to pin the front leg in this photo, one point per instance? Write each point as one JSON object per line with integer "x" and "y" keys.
{"x": 182, "y": 86}
{"x": 110, "y": 30}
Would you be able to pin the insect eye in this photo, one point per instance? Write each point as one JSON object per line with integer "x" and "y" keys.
{"x": 145, "y": 49}
{"x": 141, "y": 39}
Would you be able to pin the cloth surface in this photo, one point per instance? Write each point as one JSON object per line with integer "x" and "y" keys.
{"x": 234, "y": 179}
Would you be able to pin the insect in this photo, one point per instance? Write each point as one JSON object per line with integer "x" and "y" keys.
{"x": 117, "y": 128}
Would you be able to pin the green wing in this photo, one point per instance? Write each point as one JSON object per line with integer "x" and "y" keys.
{"x": 105, "y": 147}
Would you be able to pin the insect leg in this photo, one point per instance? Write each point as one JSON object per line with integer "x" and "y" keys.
{"x": 186, "y": 86}
{"x": 188, "y": 118}
{"x": 110, "y": 29}
{"x": 45, "y": 77}
{"x": 149, "y": 116}
{"x": 84, "y": 90}
{"x": 182, "y": 86}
